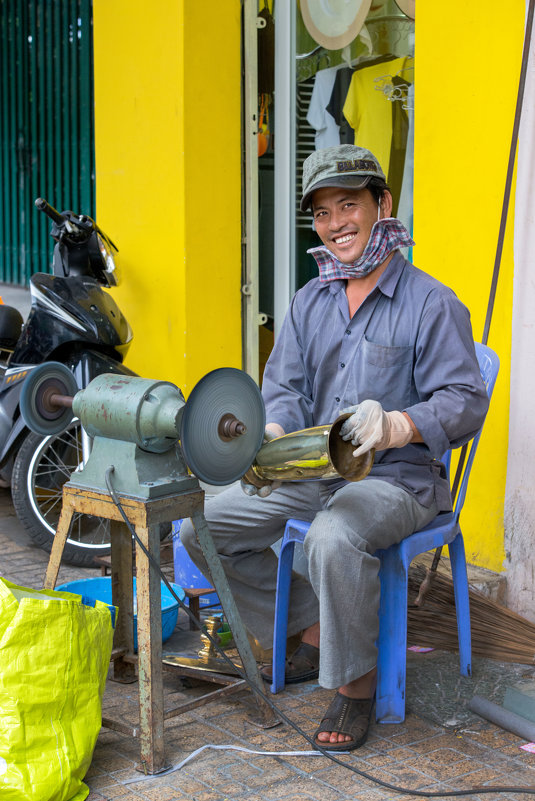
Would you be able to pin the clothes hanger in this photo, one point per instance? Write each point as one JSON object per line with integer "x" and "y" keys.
{"x": 393, "y": 91}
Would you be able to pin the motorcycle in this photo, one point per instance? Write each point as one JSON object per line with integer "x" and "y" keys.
{"x": 74, "y": 321}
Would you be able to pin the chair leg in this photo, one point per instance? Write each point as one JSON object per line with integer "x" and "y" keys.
{"x": 282, "y": 600}
{"x": 392, "y": 643}
{"x": 462, "y": 603}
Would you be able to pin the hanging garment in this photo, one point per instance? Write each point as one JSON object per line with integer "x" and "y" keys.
{"x": 405, "y": 206}
{"x": 398, "y": 144}
{"x": 327, "y": 130}
{"x": 342, "y": 82}
{"x": 370, "y": 111}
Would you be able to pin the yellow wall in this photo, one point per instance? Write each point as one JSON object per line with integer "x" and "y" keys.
{"x": 167, "y": 142}
{"x": 468, "y": 59}
{"x": 167, "y": 97}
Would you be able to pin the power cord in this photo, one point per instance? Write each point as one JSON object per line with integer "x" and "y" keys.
{"x": 269, "y": 702}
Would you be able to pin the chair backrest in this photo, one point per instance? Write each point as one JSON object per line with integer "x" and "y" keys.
{"x": 489, "y": 364}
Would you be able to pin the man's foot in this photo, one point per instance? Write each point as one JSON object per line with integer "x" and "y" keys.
{"x": 302, "y": 665}
{"x": 361, "y": 690}
{"x": 346, "y": 723}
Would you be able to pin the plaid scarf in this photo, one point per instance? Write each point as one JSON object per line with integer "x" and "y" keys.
{"x": 387, "y": 235}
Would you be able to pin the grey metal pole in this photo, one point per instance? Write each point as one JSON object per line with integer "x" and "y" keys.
{"x": 503, "y": 718}
{"x": 235, "y": 622}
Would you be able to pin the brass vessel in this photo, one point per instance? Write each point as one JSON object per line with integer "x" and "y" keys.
{"x": 208, "y": 658}
{"x": 312, "y": 453}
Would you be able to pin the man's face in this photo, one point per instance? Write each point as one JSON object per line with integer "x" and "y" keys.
{"x": 344, "y": 219}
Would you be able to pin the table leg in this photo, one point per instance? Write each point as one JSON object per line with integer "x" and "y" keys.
{"x": 122, "y": 594}
{"x": 149, "y": 638}
{"x": 60, "y": 538}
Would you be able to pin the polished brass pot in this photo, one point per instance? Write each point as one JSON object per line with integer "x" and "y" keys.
{"x": 312, "y": 453}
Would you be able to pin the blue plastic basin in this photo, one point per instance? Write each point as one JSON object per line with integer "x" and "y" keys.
{"x": 99, "y": 589}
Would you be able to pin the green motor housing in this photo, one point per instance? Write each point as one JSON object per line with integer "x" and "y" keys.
{"x": 131, "y": 409}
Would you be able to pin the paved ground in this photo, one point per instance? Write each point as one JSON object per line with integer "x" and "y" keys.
{"x": 442, "y": 746}
{"x": 17, "y": 296}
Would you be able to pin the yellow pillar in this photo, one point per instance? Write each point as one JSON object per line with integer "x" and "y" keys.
{"x": 168, "y": 177}
{"x": 468, "y": 66}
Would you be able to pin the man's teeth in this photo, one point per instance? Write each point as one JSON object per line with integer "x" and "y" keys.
{"x": 347, "y": 238}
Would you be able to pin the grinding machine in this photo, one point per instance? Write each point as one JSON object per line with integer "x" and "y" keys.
{"x": 137, "y": 423}
{"x": 149, "y": 449}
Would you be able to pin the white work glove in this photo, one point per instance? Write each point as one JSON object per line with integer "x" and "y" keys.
{"x": 371, "y": 427}
{"x": 250, "y": 483}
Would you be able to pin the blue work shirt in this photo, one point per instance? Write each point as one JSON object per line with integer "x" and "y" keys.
{"x": 409, "y": 346}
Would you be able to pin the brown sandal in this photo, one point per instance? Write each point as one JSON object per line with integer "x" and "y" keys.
{"x": 349, "y": 716}
{"x": 302, "y": 665}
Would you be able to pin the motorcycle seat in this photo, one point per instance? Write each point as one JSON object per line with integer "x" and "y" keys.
{"x": 10, "y": 327}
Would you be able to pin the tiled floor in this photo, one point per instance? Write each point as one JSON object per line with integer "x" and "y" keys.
{"x": 441, "y": 747}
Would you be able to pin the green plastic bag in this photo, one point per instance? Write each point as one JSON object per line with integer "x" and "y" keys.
{"x": 54, "y": 657}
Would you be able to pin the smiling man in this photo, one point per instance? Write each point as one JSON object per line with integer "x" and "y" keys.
{"x": 375, "y": 335}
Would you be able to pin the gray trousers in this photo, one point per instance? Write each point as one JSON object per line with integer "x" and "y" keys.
{"x": 347, "y": 527}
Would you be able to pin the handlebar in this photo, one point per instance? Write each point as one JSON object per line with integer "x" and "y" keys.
{"x": 50, "y": 211}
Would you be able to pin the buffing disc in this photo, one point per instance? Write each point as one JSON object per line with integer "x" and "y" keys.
{"x": 210, "y": 457}
{"x": 36, "y": 407}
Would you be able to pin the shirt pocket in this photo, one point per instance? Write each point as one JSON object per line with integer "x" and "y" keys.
{"x": 385, "y": 374}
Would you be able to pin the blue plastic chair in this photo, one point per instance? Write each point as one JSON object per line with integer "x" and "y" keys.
{"x": 395, "y": 561}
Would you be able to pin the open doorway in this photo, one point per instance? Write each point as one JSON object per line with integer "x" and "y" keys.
{"x": 327, "y": 73}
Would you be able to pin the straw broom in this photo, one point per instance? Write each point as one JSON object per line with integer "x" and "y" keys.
{"x": 497, "y": 632}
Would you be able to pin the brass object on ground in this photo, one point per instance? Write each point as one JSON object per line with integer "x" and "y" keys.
{"x": 211, "y": 664}
{"x": 212, "y": 624}
{"x": 312, "y": 453}
{"x": 208, "y": 658}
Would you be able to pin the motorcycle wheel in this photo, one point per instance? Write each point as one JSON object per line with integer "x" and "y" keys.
{"x": 41, "y": 468}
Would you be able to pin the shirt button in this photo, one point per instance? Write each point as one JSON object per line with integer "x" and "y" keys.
{"x": 348, "y": 331}
{"x": 342, "y": 364}
{"x": 337, "y": 400}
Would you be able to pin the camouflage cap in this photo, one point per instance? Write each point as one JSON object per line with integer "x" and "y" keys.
{"x": 342, "y": 166}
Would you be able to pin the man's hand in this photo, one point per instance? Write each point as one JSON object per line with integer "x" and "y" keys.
{"x": 371, "y": 427}
{"x": 250, "y": 483}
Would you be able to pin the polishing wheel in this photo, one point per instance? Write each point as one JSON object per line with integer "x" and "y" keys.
{"x": 222, "y": 426}
{"x": 38, "y": 397}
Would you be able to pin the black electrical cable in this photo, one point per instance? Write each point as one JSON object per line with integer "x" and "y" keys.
{"x": 269, "y": 702}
